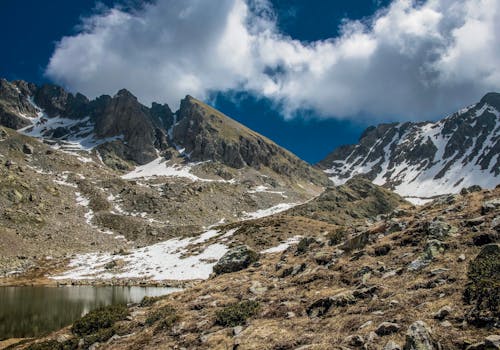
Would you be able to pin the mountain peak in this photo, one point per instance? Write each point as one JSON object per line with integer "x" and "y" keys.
{"x": 492, "y": 98}
{"x": 124, "y": 93}
{"x": 426, "y": 159}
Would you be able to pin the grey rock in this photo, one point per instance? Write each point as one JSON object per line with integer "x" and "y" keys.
{"x": 442, "y": 313}
{"x": 392, "y": 346}
{"x": 236, "y": 259}
{"x": 28, "y": 149}
{"x": 237, "y": 330}
{"x": 433, "y": 248}
{"x": 418, "y": 337}
{"x": 437, "y": 229}
{"x": 492, "y": 341}
{"x": 490, "y": 206}
{"x": 495, "y": 224}
{"x": 355, "y": 340}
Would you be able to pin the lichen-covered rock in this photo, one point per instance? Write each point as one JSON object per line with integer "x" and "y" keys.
{"x": 236, "y": 259}
{"x": 483, "y": 288}
{"x": 419, "y": 337}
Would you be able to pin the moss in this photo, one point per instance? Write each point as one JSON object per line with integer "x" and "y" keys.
{"x": 237, "y": 314}
{"x": 483, "y": 289}
{"x": 96, "y": 320}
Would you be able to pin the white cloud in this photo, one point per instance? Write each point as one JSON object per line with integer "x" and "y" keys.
{"x": 414, "y": 59}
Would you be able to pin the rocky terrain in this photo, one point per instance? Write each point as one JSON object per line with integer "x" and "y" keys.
{"x": 269, "y": 254}
{"x": 406, "y": 278}
{"x": 422, "y": 160}
{"x": 108, "y": 175}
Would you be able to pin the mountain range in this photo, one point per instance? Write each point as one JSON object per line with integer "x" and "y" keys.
{"x": 269, "y": 251}
{"x": 426, "y": 159}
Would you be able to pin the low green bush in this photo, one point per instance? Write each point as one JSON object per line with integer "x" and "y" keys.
{"x": 96, "y": 320}
{"x": 237, "y": 314}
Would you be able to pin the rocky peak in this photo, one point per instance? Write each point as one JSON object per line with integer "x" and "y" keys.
{"x": 15, "y": 106}
{"x": 427, "y": 158}
{"x": 492, "y": 98}
{"x": 207, "y": 134}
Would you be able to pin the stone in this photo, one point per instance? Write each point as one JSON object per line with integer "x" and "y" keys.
{"x": 237, "y": 330}
{"x": 437, "y": 229}
{"x": 495, "y": 224}
{"x": 321, "y": 306}
{"x": 442, "y": 313}
{"x": 490, "y": 206}
{"x": 475, "y": 222}
{"x": 392, "y": 346}
{"x": 322, "y": 258}
{"x": 386, "y": 328}
{"x": 492, "y": 342}
{"x": 257, "y": 288}
{"x": 432, "y": 249}
{"x": 418, "y": 337}
{"x": 484, "y": 238}
{"x": 236, "y": 259}
{"x": 461, "y": 258}
{"x": 382, "y": 250}
{"x": 355, "y": 340}
{"x": 366, "y": 292}
{"x": 28, "y": 149}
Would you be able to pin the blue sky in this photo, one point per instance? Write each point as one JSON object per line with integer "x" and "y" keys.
{"x": 311, "y": 75}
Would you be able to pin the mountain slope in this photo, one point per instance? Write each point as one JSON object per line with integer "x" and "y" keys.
{"x": 429, "y": 158}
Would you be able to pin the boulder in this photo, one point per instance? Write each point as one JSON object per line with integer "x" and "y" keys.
{"x": 437, "y": 229}
{"x": 442, "y": 313}
{"x": 355, "y": 340}
{"x": 418, "y": 337}
{"x": 490, "y": 206}
{"x": 236, "y": 259}
{"x": 392, "y": 346}
{"x": 27, "y": 149}
{"x": 386, "y": 328}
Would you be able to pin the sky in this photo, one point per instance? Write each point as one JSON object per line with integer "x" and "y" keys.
{"x": 311, "y": 75}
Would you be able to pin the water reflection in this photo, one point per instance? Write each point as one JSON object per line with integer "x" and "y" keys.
{"x": 32, "y": 311}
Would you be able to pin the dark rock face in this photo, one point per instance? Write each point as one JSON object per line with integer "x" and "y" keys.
{"x": 126, "y": 132}
{"x": 407, "y": 153}
{"x": 236, "y": 259}
{"x": 14, "y": 103}
{"x": 207, "y": 134}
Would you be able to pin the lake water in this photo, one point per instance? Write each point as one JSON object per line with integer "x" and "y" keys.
{"x": 33, "y": 311}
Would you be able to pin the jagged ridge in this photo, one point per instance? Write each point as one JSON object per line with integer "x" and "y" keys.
{"x": 429, "y": 158}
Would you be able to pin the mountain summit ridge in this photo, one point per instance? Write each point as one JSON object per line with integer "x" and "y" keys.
{"x": 125, "y": 133}
{"x": 426, "y": 159}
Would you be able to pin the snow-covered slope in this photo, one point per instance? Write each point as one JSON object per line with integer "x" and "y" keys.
{"x": 422, "y": 160}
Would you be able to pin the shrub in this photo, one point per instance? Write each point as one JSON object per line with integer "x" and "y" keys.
{"x": 71, "y": 344}
{"x": 303, "y": 245}
{"x": 164, "y": 318}
{"x": 96, "y": 320}
{"x": 237, "y": 314}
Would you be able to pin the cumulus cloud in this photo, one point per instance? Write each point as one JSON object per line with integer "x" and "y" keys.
{"x": 413, "y": 59}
